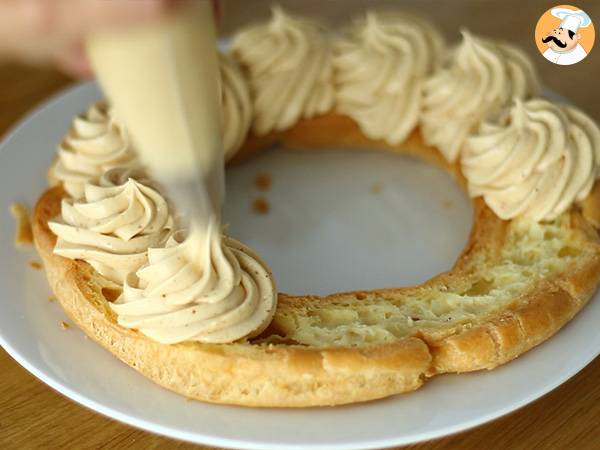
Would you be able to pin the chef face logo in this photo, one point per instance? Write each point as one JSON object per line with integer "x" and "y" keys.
{"x": 561, "y": 40}
{"x": 564, "y": 35}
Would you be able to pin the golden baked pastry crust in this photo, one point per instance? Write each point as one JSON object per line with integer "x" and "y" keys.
{"x": 279, "y": 369}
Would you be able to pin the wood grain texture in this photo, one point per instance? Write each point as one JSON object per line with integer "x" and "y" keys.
{"x": 34, "y": 416}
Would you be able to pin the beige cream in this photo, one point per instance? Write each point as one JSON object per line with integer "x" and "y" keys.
{"x": 203, "y": 288}
{"x": 95, "y": 144}
{"x": 381, "y": 63}
{"x": 288, "y": 60}
{"x": 113, "y": 225}
{"x": 533, "y": 161}
{"x": 479, "y": 77}
{"x": 236, "y": 106}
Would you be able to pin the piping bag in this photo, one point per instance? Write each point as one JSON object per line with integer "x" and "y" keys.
{"x": 163, "y": 80}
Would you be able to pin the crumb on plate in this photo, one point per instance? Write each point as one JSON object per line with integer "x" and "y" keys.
{"x": 263, "y": 181}
{"x": 376, "y": 188}
{"x": 64, "y": 325}
{"x": 261, "y": 205}
{"x": 35, "y": 265}
{"x": 24, "y": 234}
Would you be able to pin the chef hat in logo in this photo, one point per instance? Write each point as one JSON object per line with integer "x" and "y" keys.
{"x": 571, "y": 19}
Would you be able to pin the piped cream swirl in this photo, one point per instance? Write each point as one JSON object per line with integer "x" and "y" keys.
{"x": 204, "y": 288}
{"x": 380, "y": 66}
{"x": 113, "y": 226}
{"x": 96, "y": 143}
{"x": 236, "y": 106}
{"x": 534, "y": 161}
{"x": 480, "y": 77}
{"x": 289, "y": 65}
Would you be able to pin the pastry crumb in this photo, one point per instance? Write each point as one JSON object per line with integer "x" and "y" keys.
{"x": 51, "y": 299}
{"x": 376, "y": 188}
{"x": 64, "y": 325}
{"x": 24, "y": 234}
{"x": 263, "y": 181}
{"x": 261, "y": 205}
{"x": 35, "y": 265}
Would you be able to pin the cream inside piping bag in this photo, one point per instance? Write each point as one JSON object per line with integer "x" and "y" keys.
{"x": 163, "y": 80}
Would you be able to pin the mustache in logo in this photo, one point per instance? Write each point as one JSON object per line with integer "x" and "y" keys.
{"x": 555, "y": 40}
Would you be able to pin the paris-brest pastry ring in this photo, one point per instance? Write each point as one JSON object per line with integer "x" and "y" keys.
{"x": 201, "y": 315}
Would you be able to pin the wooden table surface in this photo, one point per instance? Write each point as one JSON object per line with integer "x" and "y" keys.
{"x": 34, "y": 416}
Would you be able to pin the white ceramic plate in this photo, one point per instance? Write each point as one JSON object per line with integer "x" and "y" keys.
{"x": 326, "y": 231}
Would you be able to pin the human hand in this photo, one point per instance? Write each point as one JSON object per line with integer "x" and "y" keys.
{"x": 39, "y": 31}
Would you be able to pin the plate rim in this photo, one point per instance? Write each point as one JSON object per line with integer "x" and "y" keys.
{"x": 214, "y": 440}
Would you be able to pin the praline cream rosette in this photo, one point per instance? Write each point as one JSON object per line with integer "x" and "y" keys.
{"x": 113, "y": 226}
{"x": 95, "y": 144}
{"x": 533, "y": 161}
{"x": 236, "y": 106}
{"x": 204, "y": 288}
{"x": 288, "y": 61}
{"x": 480, "y": 77}
{"x": 380, "y": 65}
